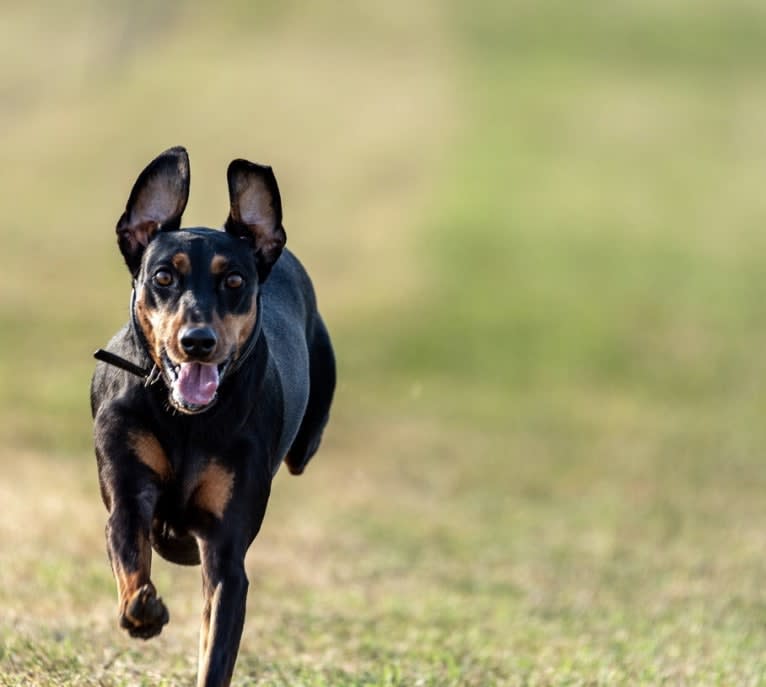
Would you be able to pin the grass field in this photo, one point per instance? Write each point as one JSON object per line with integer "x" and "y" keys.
{"x": 537, "y": 234}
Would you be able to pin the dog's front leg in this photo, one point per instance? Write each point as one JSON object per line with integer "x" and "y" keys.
{"x": 233, "y": 516}
{"x": 141, "y": 611}
{"x": 224, "y": 587}
{"x": 128, "y": 465}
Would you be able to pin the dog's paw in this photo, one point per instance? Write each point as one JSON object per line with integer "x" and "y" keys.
{"x": 144, "y": 614}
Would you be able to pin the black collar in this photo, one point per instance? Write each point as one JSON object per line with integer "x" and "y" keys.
{"x": 151, "y": 375}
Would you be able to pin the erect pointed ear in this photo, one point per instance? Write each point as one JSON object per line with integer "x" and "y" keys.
{"x": 256, "y": 212}
{"x": 156, "y": 202}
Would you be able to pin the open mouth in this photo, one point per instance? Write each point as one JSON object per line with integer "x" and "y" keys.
{"x": 193, "y": 385}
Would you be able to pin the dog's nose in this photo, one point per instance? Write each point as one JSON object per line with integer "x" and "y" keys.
{"x": 198, "y": 342}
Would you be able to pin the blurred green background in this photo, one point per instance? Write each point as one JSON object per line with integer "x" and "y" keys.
{"x": 536, "y": 232}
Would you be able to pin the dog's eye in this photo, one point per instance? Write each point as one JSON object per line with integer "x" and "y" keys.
{"x": 234, "y": 281}
{"x": 163, "y": 278}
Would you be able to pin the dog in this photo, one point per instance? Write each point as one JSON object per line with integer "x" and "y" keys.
{"x": 224, "y": 370}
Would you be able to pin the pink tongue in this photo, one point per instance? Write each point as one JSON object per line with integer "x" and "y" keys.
{"x": 197, "y": 383}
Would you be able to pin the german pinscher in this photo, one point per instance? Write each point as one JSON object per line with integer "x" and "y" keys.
{"x": 224, "y": 370}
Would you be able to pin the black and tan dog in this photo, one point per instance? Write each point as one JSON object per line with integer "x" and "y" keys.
{"x": 224, "y": 370}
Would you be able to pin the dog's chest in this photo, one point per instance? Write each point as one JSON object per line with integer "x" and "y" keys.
{"x": 198, "y": 482}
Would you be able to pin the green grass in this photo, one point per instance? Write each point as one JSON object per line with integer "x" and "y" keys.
{"x": 536, "y": 233}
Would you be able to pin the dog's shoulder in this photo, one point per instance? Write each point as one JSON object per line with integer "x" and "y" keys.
{"x": 289, "y": 284}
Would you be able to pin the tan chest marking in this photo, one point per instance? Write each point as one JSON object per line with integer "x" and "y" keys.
{"x": 149, "y": 451}
{"x": 213, "y": 490}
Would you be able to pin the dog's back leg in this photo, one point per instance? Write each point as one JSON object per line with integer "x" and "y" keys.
{"x": 322, "y": 376}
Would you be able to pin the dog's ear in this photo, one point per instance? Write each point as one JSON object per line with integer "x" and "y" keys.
{"x": 156, "y": 202}
{"x": 256, "y": 212}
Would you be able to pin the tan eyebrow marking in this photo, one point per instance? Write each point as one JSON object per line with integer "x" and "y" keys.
{"x": 182, "y": 263}
{"x": 219, "y": 264}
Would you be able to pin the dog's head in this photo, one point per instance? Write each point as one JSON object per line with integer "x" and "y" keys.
{"x": 196, "y": 289}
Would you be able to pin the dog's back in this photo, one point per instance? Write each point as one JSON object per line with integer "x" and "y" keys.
{"x": 290, "y": 306}
{"x": 301, "y": 359}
